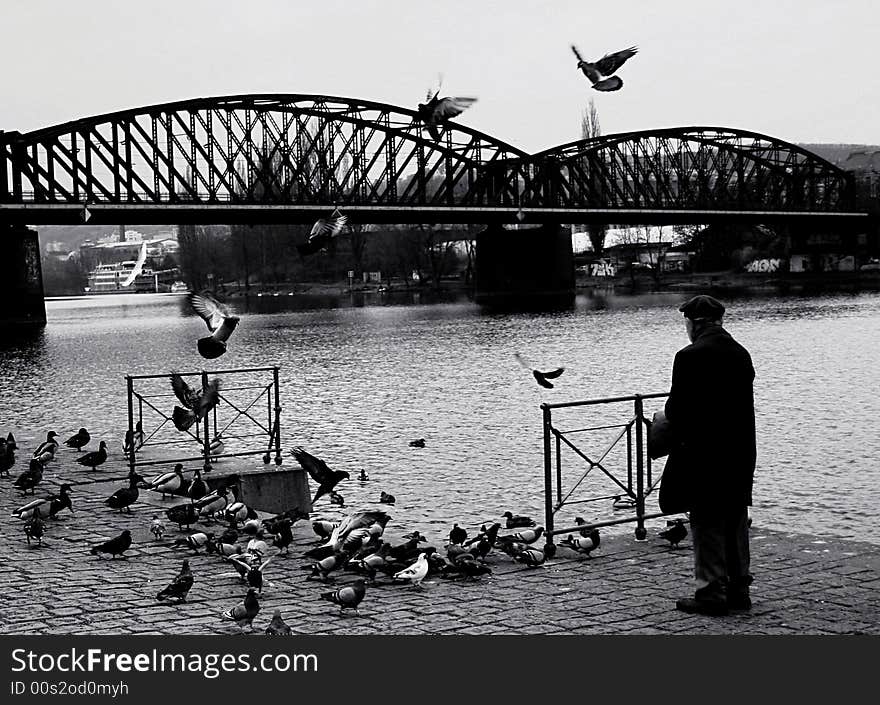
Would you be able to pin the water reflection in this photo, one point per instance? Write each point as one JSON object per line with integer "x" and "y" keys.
{"x": 362, "y": 375}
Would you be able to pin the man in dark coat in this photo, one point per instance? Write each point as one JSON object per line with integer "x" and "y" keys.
{"x": 711, "y": 410}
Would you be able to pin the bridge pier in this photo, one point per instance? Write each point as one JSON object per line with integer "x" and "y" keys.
{"x": 525, "y": 267}
{"x": 21, "y": 278}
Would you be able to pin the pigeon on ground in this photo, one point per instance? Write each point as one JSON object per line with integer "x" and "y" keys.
{"x": 157, "y": 527}
{"x": 7, "y": 458}
{"x": 219, "y": 321}
{"x": 369, "y": 564}
{"x": 124, "y": 497}
{"x": 347, "y": 597}
{"x": 34, "y": 528}
{"x": 326, "y": 478}
{"x": 278, "y": 627}
{"x": 30, "y": 478}
{"x": 674, "y": 533}
{"x": 540, "y": 377}
{"x": 283, "y": 535}
{"x": 46, "y": 450}
{"x": 516, "y": 521}
{"x": 436, "y": 111}
{"x": 78, "y": 440}
{"x": 457, "y": 535}
{"x": 582, "y": 544}
{"x": 195, "y": 541}
{"x": 323, "y": 528}
{"x": 183, "y": 514}
{"x": 600, "y": 72}
{"x": 197, "y": 487}
{"x": 323, "y": 232}
{"x": 95, "y": 458}
{"x": 133, "y": 441}
{"x": 244, "y": 612}
{"x": 180, "y": 586}
{"x": 415, "y": 573}
{"x": 204, "y": 401}
{"x": 168, "y": 482}
{"x": 527, "y": 537}
{"x": 327, "y": 565}
{"x": 115, "y": 546}
{"x": 531, "y": 556}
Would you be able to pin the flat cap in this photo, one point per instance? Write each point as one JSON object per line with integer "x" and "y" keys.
{"x": 702, "y": 306}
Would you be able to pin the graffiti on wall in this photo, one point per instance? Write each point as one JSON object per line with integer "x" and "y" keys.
{"x": 602, "y": 269}
{"x": 764, "y": 265}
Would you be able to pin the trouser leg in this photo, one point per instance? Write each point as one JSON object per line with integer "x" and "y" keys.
{"x": 710, "y": 562}
{"x": 737, "y": 552}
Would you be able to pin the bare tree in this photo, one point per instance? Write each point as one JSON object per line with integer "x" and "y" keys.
{"x": 590, "y": 128}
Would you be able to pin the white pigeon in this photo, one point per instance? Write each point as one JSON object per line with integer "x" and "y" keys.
{"x": 415, "y": 573}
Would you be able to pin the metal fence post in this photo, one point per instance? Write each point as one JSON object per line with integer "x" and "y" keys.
{"x": 549, "y": 547}
{"x": 131, "y": 454}
{"x": 207, "y": 423}
{"x": 641, "y": 532}
{"x": 277, "y": 418}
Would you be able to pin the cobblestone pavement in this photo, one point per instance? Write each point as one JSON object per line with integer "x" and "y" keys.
{"x": 803, "y": 584}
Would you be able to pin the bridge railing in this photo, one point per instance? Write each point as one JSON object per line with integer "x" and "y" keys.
{"x": 621, "y": 463}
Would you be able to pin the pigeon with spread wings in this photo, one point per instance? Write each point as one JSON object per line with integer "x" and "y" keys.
{"x": 600, "y": 72}
{"x": 219, "y": 321}
{"x": 326, "y": 478}
{"x": 540, "y": 377}
{"x": 323, "y": 231}
{"x": 438, "y": 110}
{"x": 198, "y": 403}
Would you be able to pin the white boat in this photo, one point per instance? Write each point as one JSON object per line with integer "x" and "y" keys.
{"x": 112, "y": 278}
{"x": 179, "y": 287}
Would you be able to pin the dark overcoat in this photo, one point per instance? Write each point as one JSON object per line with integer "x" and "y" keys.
{"x": 711, "y": 409}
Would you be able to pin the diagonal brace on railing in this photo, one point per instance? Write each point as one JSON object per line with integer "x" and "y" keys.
{"x": 593, "y": 463}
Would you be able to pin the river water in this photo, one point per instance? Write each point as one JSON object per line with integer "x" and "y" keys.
{"x": 360, "y": 379}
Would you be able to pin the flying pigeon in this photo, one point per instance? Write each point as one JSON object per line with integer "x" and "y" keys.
{"x": 326, "y": 478}
{"x": 347, "y": 597}
{"x": 95, "y": 458}
{"x": 244, "y": 612}
{"x": 540, "y": 377}
{"x": 600, "y": 72}
{"x": 278, "y": 627}
{"x": 219, "y": 321}
{"x": 415, "y": 573}
{"x": 180, "y": 586}
{"x": 438, "y": 110}
{"x": 203, "y": 402}
{"x": 78, "y": 440}
{"x": 674, "y": 533}
{"x": 115, "y": 546}
{"x": 323, "y": 231}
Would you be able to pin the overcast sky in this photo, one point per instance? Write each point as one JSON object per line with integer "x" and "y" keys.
{"x": 803, "y": 71}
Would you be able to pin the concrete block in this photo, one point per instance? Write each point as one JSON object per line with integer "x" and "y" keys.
{"x": 272, "y": 491}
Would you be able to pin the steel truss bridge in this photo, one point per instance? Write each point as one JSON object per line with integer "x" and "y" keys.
{"x": 289, "y": 158}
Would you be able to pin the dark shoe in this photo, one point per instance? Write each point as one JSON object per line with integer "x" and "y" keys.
{"x": 739, "y": 602}
{"x": 712, "y": 608}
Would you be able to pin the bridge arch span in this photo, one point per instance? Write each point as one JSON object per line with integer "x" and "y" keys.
{"x": 698, "y": 167}
{"x": 253, "y": 149}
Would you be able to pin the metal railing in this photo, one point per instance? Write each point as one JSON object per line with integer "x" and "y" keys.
{"x": 217, "y": 422}
{"x": 639, "y": 482}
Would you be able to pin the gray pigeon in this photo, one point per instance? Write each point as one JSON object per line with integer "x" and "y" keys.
{"x": 601, "y": 72}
